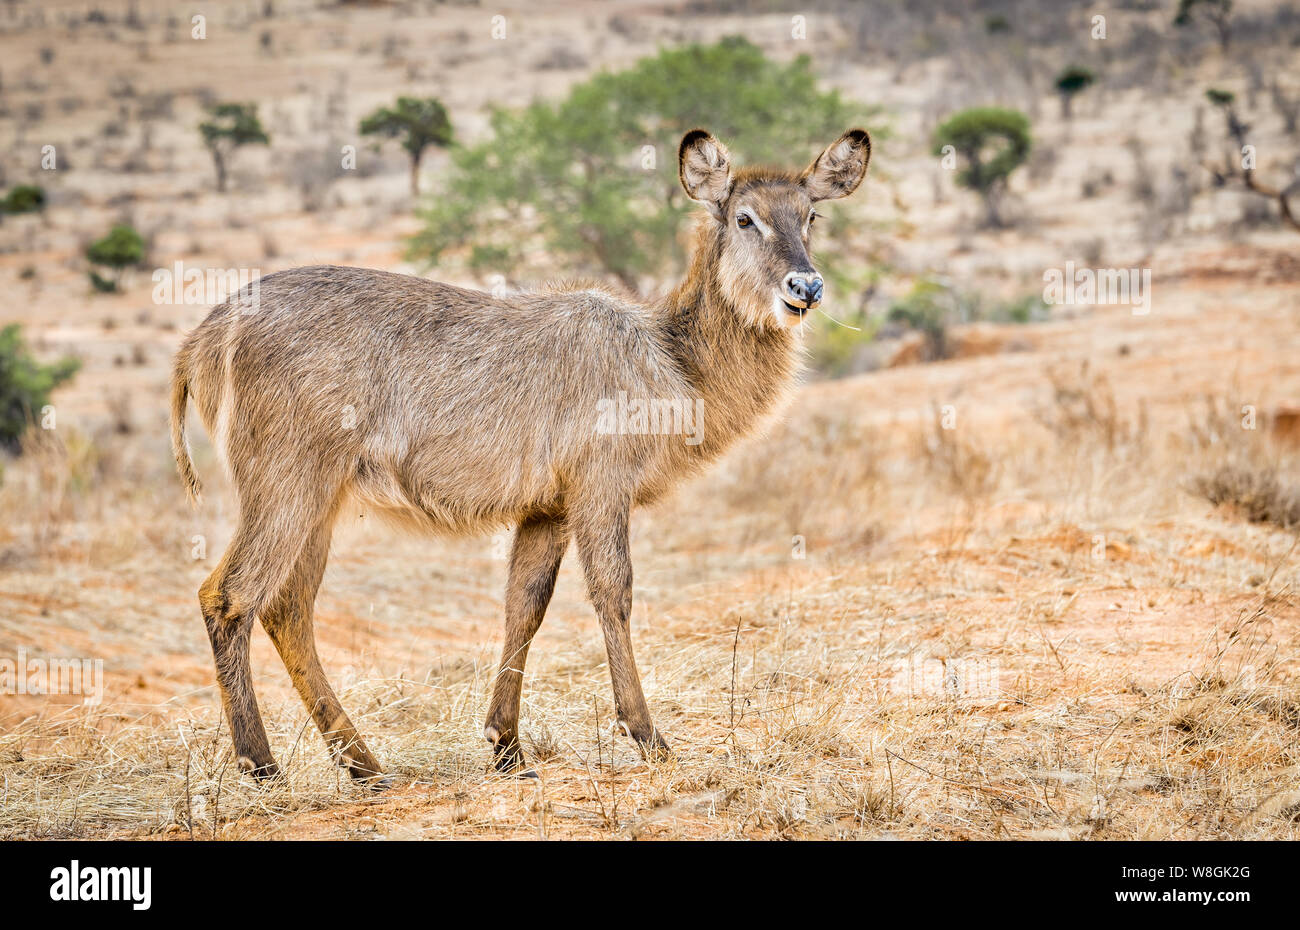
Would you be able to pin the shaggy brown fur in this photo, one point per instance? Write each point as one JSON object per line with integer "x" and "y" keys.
{"x": 458, "y": 413}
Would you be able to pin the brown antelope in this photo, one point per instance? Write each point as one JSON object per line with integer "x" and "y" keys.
{"x": 458, "y": 413}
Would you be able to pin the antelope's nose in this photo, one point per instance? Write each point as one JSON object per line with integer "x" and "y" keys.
{"x": 803, "y": 289}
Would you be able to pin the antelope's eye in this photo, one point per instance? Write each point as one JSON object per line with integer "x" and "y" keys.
{"x": 812, "y": 217}
{"x": 743, "y": 220}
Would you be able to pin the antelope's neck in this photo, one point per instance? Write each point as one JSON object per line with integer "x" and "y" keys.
{"x": 740, "y": 373}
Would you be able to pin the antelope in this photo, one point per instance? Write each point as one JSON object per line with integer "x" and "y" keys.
{"x": 455, "y": 412}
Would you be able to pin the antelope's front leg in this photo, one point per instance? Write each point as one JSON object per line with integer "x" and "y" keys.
{"x": 534, "y": 562}
{"x": 602, "y": 539}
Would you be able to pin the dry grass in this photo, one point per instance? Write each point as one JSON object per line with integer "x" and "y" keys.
{"x": 1258, "y": 493}
{"x": 808, "y": 744}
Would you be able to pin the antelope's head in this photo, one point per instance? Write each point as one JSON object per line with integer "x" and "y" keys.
{"x": 765, "y": 219}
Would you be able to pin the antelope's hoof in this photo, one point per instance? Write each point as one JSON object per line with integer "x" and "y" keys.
{"x": 375, "y": 783}
{"x": 657, "y": 752}
{"x": 507, "y": 757}
{"x": 654, "y": 748}
{"x": 366, "y": 773}
{"x": 264, "y": 773}
{"x": 511, "y": 761}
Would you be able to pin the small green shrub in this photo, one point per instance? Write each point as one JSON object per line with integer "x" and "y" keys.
{"x": 120, "y": 249}
{"x": 101, "y": 284}
{"x": 1220, "y": 98}
{"x": 24, "y": 198}
{"x": 838, "y": 343}
{"x": 929, "y": 308}
{"x": 25, "y": 385}
{"x": 1028, "y": 309}
{"x": 932, "y": 308}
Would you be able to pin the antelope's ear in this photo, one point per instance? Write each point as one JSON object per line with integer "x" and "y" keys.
{"x": 704, "y": 167}
{"x": 839, "y": 170}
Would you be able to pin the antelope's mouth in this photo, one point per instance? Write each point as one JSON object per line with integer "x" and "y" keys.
{"x": 795, "y": 311}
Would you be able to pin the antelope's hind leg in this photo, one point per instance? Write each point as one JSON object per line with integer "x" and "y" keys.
{"x": 289, "y": 624}
{"x": 276, "y": 515}
{"x": 230, "y": 599}
{"x": 534, "y": 562}
{"x": 228, "y": 631}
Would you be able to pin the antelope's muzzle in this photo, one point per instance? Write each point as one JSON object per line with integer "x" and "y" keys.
{"x": 802, "y": 291}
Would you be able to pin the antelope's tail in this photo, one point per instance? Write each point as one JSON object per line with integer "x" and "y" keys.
{"x": 180, "y": 446}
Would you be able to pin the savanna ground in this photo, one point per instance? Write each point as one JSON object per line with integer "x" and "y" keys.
{"x": 1072, "y": 613}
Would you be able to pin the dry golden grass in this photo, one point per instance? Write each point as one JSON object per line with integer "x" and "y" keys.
{"x": 1257, "y": 492}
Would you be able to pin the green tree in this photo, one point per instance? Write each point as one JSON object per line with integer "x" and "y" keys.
{"x": 1073, "y": 80}
{"x": 1218, "y": 13}
{"x": 23, "y": 198}
{"x": 119, "y": 250}
{"x": 419, "y": 123}
{"x": 231, "y": 125}
{"x": 594, "y": 176}
{"x": 25, "y": 385}
{"x": 993, "y": 142}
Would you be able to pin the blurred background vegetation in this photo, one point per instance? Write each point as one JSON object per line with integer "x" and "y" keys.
{"x": 591, "y": 181}
{"x": 593, "y": 177}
